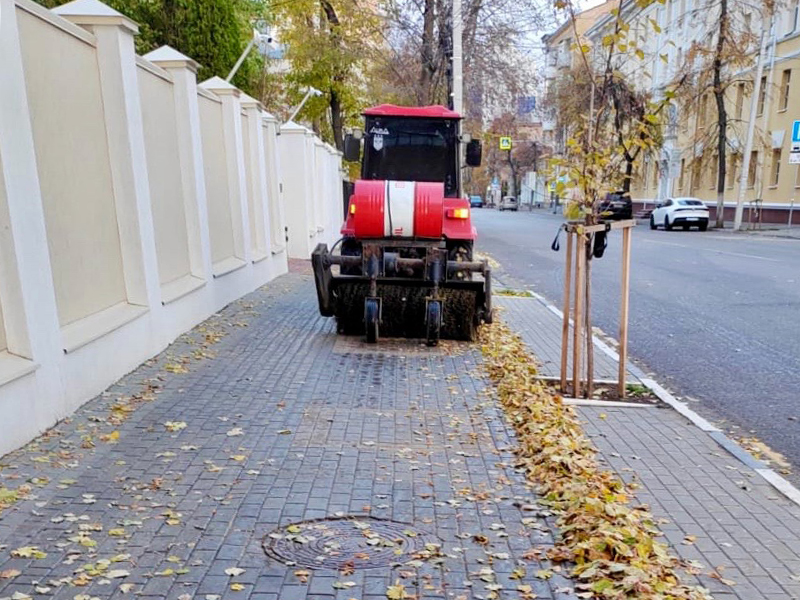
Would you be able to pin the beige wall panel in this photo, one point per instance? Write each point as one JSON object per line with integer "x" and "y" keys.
{"x": 251, "y": 208}
{"x": 219, "y": 208}
{"x": 63, "y": 86}
{"x": 164, "y": 170}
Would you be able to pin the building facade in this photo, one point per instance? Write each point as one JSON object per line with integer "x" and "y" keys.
{"x": 671, "y": 36}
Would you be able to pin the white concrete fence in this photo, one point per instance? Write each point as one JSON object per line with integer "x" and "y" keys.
{"x": 134, "y": 204}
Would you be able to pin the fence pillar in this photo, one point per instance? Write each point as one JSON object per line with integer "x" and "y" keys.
{"x": 277, "y": 232}
{"x": 258, "y": 177}
{"x": 234, "y": 160}
{"x": 119, "y": 87}
{"x": 297, "y": 185}
{"x": 183, "y": 71}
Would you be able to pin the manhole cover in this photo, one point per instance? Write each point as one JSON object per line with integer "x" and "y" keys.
{"x": 358, "y": 542}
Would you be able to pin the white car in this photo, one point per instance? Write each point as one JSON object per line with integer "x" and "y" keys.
{"x": 680, "y": 212}
{"x": 508, "y": 203}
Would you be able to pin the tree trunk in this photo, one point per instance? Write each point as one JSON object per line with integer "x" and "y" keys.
{"x": 337, "y": 120}
{"x": 513, "y": 188}
{"x": 722, "y": 113}
{"x": 427, "y": 60}
{"x": 626, "y": 184}
{"x": 335, "y": 103}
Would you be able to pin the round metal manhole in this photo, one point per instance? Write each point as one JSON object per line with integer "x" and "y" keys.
{"x": 349, "y": 542}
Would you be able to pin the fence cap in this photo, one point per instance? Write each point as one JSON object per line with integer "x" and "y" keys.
{"x": 268, "y": 116}
{"x": 167, "y": 57}
{"x": 248, "y": 101}
{"x": 94, "y": 12}
{"x": 292, "y": 127}
{"x": 220, "y": 87}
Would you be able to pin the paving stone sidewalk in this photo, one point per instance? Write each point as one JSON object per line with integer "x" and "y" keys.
{"x": 168, "y": 484}
{"x": 713, "y": 508}
{"x": 541, "y": 329}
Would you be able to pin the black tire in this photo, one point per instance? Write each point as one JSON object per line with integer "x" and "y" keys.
{"x": 433, "y": 323}
{"x": 653, "y": 223}
{"x": 703, "y": 226}
{"x": 667, "y": 224}
{"x": 371, "y": 319}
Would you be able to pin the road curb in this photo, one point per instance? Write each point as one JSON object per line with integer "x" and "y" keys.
{"x": 770, "y": 476}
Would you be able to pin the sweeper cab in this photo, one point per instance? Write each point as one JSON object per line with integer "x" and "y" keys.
{"x": 405, "y": 261}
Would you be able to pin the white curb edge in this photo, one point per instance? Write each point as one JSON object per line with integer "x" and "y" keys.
{"x": 604, "y": 403}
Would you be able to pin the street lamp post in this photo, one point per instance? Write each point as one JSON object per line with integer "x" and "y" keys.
{"x": 255, "y": 39}
{"x": 311, "y": 92}
{"x": 751, "y": 126}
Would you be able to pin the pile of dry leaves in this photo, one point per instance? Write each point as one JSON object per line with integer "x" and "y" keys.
{"x": 611, "y": 542}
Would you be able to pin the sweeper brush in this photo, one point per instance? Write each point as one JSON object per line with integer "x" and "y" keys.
{"x": 404, "y": 267}
{"x": 378, "y": 303}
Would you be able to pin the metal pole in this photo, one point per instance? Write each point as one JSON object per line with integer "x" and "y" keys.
{"x": 791, "y": 210}
{"x": 751, "y": 128}
{"x": 302, "y": 103}
{"x": 241, "y": 59}
{"x": 458, "y": 76}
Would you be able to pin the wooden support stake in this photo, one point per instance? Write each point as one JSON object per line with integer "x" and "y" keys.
{"x": 577, "y": 318}
{"x": 623, "y": 321}
{"x": 565, "y": 324}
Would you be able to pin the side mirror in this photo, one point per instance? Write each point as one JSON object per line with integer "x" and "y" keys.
{"x": 474, "y": 153}
{"x": 352, "y": 148}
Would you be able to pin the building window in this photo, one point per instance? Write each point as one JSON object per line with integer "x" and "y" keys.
{"x": 786, "y": 83}
{"x": 791, "y": 17}
{"x": 655, "y": 175}
{"x": 697, "y": 175}
{"x": 751, "y": 171}
{"x": 762, "y": 96}
{"x": 775, "y": 172}
{"x": 739, "y": 101}
{"x": 733, "y": 166}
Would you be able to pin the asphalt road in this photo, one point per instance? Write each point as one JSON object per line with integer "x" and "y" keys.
{"x": 715, "y": 315}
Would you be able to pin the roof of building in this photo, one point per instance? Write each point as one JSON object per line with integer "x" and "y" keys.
{"x": 584, "y": 20}
{"x": 392, "y": 110}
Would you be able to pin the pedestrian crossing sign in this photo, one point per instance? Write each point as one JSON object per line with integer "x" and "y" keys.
{"x": 505, "y": 143}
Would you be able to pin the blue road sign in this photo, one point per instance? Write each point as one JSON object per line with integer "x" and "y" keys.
{"x": 796, "y": 132}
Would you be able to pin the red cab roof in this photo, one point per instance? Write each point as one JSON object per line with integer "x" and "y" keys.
{"x": 392, "y": 110}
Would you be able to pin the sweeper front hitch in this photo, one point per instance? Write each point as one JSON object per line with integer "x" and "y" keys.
{"x": 402, "y": 288}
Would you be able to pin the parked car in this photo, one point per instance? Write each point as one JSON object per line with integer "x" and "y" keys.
{"x": 617, "y": 206}
{"x": 682, "y": 212}
{"x": 476, "y": 202}
{"x": 509, "y": 203}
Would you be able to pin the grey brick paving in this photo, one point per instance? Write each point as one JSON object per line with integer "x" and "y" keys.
{"x": 694, "y": 486}
{"x": 284, "y": 422}
{"x": 541, "y": 330}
